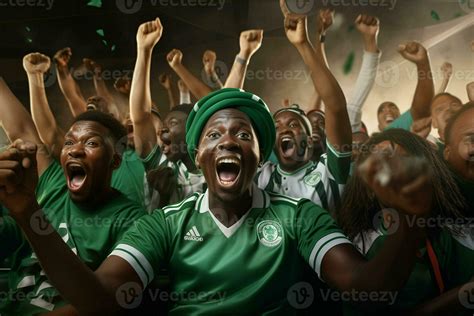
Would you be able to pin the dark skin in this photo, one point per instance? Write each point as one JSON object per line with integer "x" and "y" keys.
{"x": 459, "y": 151}
{"x": 290, "y": 127}
{"x": 173, "y": 136}
{"x": 358, "y": 139}
{"x": 387, "y": 113}
{"x": 318, "y": 124}
{"x": 89, "y": 147}
{"x": 227, "y": 134}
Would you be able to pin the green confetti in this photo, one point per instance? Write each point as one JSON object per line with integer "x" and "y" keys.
{"x": 457, "y": 15}
{"x": 105, "y": 42}
{"x": 95, "y": 3}
{"x": 112, "y": 48}
{"x": 435, "y": 15}
{"x": 350, "y": 28}
{"x": 27, "y": 29}
{"x": 100, "y": 32}
{"x": 29, "y": 40}
{"x": 349, "y": 63}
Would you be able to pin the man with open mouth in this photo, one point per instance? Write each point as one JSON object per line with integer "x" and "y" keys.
{"x": 76, "y": 197}
{"x": 296, "y": 174}
{"x": 257, "y": 242}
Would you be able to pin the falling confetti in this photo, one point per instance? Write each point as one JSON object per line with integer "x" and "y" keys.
{"x": 95, "y": 3}
{"x": 349, "y": 63}
{"x": 105, "y": 42}
{"x": 27, "y": 29}
{"x": 112, "y": 48}
{"x": 100, "y": 32}
{"x": 435, "y": 15}
{"x": 29, "y": 40}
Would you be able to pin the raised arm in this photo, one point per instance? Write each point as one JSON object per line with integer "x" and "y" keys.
{"x": 250, "y": 41}
{"x": 35, "y": 65}
{"x": 196, "y": 86}
{"x": 338, "y": 128}
{"x": 18, "y": 124}
{"x": 144, "y": 134}
{"x": 368, "y": 27}
{"x": 67, "y": 84}
{"x": 424, "y": 93}
{"x": 165, "y": 81}
{"x": 447, "y": 72}
{"x": 101, "y": 87}
{"x": 209, "y": 61}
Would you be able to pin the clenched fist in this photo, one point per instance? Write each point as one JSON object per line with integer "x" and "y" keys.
{"x": 148, "y": 34}
{"x": 209, "y": 61}
{"x": 174, "y": 58}
{"x": 414, "y": 52}
{"x": 36, "y": 63}
{"x": 250, "y": 41}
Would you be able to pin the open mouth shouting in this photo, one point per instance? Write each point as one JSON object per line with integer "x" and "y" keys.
{"x": 389, "y": 119}
{"x": 228, "y": 170}
{"x": 287, "y": 146}
{"x": 76, "y": 176}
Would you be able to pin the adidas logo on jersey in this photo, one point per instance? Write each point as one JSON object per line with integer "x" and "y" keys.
{"x": 193, "y": 235}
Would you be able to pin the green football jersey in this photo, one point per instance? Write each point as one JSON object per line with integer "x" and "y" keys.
{"x": 247, "y": 268}
{"x": 321, "y": 182}
{"x": 91, "y": 233}
{"x": 130, "y": 178}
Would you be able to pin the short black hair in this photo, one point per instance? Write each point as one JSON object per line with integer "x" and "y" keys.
{"x": 186, "y": 108}
{"x": 116, "y": 129}
{"x": 449, "y": 126}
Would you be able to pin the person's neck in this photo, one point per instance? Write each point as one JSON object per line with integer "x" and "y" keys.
{"x": 228, "y": 212}
{"x": 295, "y": 167}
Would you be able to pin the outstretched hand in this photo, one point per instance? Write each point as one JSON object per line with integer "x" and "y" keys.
{"x": 174, "y": 58}
{"x": 414, "y": 52}
{"x": 209, "y": 61}
{"x": 324, "y": 20}
{"x": 18, "y": 177}
{"x": 63, "y": 56}
{"x": 36, "y": 63}
{"x": 296, "y": 29}
{"x": 250, "y": 41}
{"x": 148, "y": 34}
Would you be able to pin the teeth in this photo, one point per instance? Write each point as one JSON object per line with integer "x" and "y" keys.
{"x": 229, "y": 160}
{"x": 286, "y": 139}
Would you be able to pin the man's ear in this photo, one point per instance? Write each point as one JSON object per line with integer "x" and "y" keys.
{"x": 196, "y": 158}
{"x": 447, "y": 152}
{"x": 116, "y": 161}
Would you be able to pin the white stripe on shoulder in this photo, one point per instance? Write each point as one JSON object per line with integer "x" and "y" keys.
{"x": 133, "y": 262}
{"x": 140, "y": 257}
{"x": 284, "y": 198}
{"x": 320, "y": 243}
{"x": 325, "y": 249}
{"x": 337, "y": 153}
{"x": 177, "y": 206}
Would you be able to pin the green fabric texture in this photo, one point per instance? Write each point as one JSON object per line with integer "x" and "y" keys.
{"x": 247, "y": 102}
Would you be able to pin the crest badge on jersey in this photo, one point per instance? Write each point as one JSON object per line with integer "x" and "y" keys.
{"x": 312, "y": 179}
{"x": 269, "y": 233}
